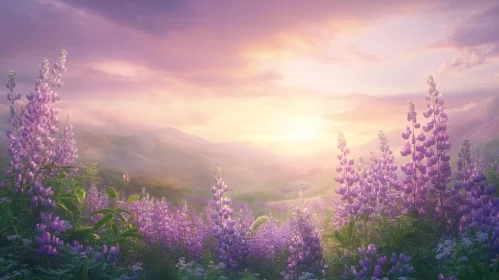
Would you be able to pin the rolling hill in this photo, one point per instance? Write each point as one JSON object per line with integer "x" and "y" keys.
{"x": 188, "y": 161}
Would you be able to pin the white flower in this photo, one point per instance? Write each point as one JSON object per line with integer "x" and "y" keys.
{"x": 445, "y": 250}
{"x": 12, "y": 237}
{"x": 482, "y": 237}
{"x": 467, "y": 242}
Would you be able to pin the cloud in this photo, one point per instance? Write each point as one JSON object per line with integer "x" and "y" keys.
{"x": 464, "y": 108}
{"x": 129, "y": 114}
{"x": 345, "y": 54}
{"x": 222, "y": 69}
{"x": 476, "y": 38}
{"x": 469, "y": 58}
{"x": 391, "y": 110}
{"x": 190, "y": 40}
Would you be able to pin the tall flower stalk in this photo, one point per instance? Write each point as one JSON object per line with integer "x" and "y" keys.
{"x": 33, "y": 149}
{"x": 231, "y": 243}
{"x": 437, "y": 144}
{"x": 32, "y": 145}
{"x": 347, "y": 178}
{"x": 66, "y": 152}
{"x": 414, "y": 184}
{"x": 383, "y": 177}
{"x": 305, "y": 251}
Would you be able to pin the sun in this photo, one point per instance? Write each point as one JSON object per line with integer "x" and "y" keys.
{"x": 301, "y": 129}
{"x": 304, "y": 132}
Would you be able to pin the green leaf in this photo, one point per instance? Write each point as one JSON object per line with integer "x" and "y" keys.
{"x": 68, "y": 168}
{"x": 111, "y": 193}
{"x": 122, "y": 217}
{"x": 26, "y": 273}
{"x": 114, "y": 229}
{"x": 133, "y": 232}
{"x": 121, "y": 210}
{"x": 80, "y": 233}
{"x": 73, "y": 184}
{"x": 67, "y": 195}
{"x": 347, "y": 237}
{"x": 93, "y": 264}
{"x": 94, "y": 236}
{"x": 85, "y": 270}
{"x": 70, "y": 205}
{"x": 103, "y": 211}
{"x": 103, "y": 221}
{"x": 61, "y": 176}
{"x": 81, "y": 193}
{"x": 63, "y": 207}
{"x": 132, "y": 198}
{"x": 56, "y": 185}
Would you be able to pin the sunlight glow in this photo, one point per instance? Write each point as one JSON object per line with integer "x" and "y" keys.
{"x": 305, "y": 133}
{"x": 302, "y": 129}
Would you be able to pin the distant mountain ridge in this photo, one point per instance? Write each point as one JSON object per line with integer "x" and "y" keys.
{"x": 190, "y": 161}
{"x": 186, "y": 159}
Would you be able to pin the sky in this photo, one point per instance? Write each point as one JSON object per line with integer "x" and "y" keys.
{"x": 287, "y": 75}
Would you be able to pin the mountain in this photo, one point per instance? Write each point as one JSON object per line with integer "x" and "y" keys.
{"x": 190, "y": 161}
{"x": 187, "y": 161}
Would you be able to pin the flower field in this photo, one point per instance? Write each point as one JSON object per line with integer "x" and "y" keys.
{"x": 420, "y": 220}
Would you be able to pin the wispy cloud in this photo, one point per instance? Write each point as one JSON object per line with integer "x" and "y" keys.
{"x": 245, "y": 70}
{"x": 477, "y": 39}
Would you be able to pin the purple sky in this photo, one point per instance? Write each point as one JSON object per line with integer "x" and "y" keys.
{"x": 285, "y": 74}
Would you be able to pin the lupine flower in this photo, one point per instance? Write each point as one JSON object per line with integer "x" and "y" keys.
{"x": 372, "y": 266}
{"x": 32, "y": 145}
{"x": 305, "y": 250}
{"x": 441, "y": 277}
{"x": 83, "y": 252}
{"x": 108, "y": 255}
{"x": 384, "y": 180}
{"x": 414, "y": 184}
{"x": 126, "y": 177}
{"x": 183, "y": 230}
{"x": 47, "y": 234}
{"x": 269, "y": 241}
{"x": 437, "y": 144}
{"x": 231, "y": 239}
{"x": 66, "y": 151}
{"x": 347, "y": 178}
{"x": 96, "y": 199}
{"x": 32, "y": 148}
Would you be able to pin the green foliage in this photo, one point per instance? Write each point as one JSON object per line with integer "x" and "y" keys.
{"x": 69, "y": 197}
{"x": 155, "y": 188}
{"x": 466, "y": 257}
{"x": 13, "y": 270}
{"x": 401, "y": 234}
{"x": 18, "y": 258}
{"x": 73, "y": 266}
{"x": 195, "y": 271}
{"x": 88, "y": 173}
{"x": 347, "y": 237}
{"x": 258, "y": 223}
{"x": 132, "y": 198}
{"x": 409, "y": 234}
{"x": 14, "y": 214}
{"x": 115, "y": 224}
{"x": 111, "y": 193}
